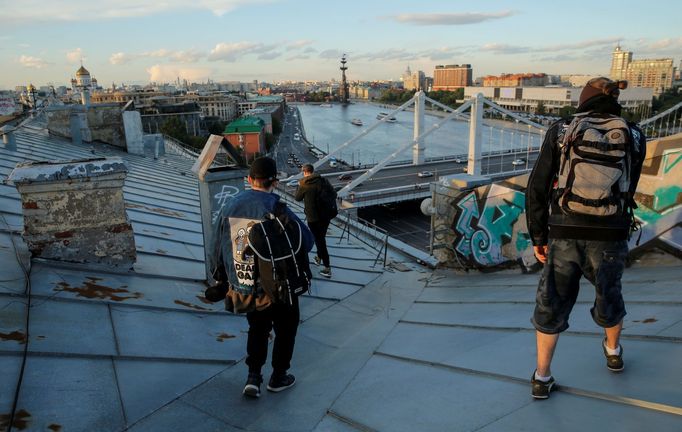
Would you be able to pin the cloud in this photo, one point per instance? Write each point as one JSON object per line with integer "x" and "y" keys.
{"x": 556, "y": 49}
{"x": 309, "y": 50}
{"x": 231, "y": 52}
{"x": 169, "y": 73}
{"x": 188, "y": 56}
{"x": 74, "y": 56}
{"x": 87, "y": 10}
{"x": 498, "y": 48}
{"x": 464, "y": 18}
{"x": 330, "y": 54}
{"x": 298, "y": 44}
{"x": 32, "y": 62}
{"x": 298, "y": 57}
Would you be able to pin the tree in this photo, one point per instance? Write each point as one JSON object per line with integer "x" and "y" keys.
{"x": 566, "y": 112}
{"x": 217, "y": 127}
{"x": 174, "y": 128}
{"x": 540, "y": 109}
{"x": 276, "y": 126}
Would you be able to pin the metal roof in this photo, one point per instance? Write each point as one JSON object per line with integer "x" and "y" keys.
{"x": 398, "y": 349}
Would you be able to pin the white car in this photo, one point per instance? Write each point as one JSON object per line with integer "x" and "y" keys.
{"x": 516, "y": 162}
{"x": 460, "y": 160}
{"x": 425, "y": 174}
{"x": 292, "y": 183}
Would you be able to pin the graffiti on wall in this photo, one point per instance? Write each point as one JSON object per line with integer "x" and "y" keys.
{"x": 487, "y": 225}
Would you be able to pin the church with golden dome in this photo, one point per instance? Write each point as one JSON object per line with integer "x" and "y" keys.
{"x": 83, "y": 80}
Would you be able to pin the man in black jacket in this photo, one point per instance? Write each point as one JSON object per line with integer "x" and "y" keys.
{"x": 571, "y": 244}
{"x": 310, "y": 188}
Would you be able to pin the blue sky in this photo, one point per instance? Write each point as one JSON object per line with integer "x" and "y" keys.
{"x": 135, "y": 41}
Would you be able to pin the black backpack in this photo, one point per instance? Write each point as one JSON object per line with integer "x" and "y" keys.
{"x": 326, "y": 201}
{"x": 281, "y": 262}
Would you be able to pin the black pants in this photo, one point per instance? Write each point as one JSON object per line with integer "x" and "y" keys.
{"x": 284, "y": 320}
{"x": 319, "y": 230}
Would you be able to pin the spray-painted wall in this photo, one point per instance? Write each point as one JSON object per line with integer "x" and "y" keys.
{"x": 486, "y": 226}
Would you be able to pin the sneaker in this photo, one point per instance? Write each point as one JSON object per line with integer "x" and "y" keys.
{"x": 326, "y": 272}
{"x": 281, "y": 382}
{"x": 613, "y": 362}
{"x": 541, "y": 389}
{"x": 318, "y": 261}
{"x": 252, "y": 387}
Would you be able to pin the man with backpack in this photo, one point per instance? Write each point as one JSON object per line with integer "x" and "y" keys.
{"x": 264, "y": 249}
{"x": 579, "y": 210}
{"x": 319, "y": 198}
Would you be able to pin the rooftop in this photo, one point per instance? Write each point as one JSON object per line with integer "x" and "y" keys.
{"x": 245, "y": 124}
{"x": 400, "y": 348}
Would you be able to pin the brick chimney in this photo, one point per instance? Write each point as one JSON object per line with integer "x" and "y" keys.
{"x": 74, "y": 211}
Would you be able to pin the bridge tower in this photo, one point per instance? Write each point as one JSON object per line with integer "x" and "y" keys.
{"x": 418, "y": 147}
{"x": 343, "y": 90}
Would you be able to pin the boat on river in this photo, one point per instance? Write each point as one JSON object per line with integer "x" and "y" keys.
{"x": 390, "y": 119}
{"x": 356, "y": 122}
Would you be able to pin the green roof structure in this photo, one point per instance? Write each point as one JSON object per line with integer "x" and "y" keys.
{"x": 245, "y": 124}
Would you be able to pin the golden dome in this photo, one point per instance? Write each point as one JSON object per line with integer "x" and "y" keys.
{"x": 82, "y": 71}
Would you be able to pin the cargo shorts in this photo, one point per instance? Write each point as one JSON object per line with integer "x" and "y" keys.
{"x": 601, "y": 262}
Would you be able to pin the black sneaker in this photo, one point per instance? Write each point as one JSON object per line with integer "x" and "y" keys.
{"x": 281, "y": 382}
{"x": 252, "y": 387}
{"x": 541, "y": 389}
{"x": 317, "y": 260}
{"x": 614, "y": 363}
{"x": 326, "y": 272}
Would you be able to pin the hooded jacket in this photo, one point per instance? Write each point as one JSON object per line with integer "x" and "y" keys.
{"x": 309, "y": 189}
{"x": 544, "y": 216}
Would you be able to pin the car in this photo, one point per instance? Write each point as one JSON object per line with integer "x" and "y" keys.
{"x": 516, "y": 162}
{"x": 292, "y": 183}
{"x": 333, "y": 164}
{"x": 425, "y": 174}
{"x": 345, "y": 177}
{"x": 460, "y": 160}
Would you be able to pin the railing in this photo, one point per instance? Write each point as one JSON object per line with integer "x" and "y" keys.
{"x": 669, "y": 122}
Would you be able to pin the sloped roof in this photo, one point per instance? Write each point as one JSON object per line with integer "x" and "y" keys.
{"x": 401, "y": 349}
{"x": 82, "y": 71}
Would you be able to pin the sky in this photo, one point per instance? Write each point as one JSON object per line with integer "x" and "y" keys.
{"x": 137, "y": 41}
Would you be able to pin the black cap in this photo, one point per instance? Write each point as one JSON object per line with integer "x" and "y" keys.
{"x": 263, "y": 168}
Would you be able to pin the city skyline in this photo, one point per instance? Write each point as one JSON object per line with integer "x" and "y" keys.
{"x": 277, "y": 40}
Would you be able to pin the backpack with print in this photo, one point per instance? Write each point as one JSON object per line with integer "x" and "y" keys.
{"x": 281, "y": 263}
{"x": 595, "y": 166}
{"x": 326, "y": 200}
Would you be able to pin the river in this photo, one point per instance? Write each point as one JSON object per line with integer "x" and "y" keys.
{"x": 328, "y": 128}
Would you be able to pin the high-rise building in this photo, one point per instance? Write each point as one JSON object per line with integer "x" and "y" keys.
{"x": 413, "y": 80}
{"x": 620, "y": 60}
{"x": 451, "y": 77}
{"x": 654, "y": 73}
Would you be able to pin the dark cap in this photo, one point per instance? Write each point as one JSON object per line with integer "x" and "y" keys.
{"x": 264, "y": 168}
{"x": 601, "y": 86}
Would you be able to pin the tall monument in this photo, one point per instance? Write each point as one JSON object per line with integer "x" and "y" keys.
{"x": 343, "y": 90}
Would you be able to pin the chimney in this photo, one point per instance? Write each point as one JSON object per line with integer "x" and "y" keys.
{"x": 74, "y": 211}
{"x": 8, "y": 138}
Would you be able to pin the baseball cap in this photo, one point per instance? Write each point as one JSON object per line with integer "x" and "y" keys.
{"x": 601, "y": 86}
{"x": 263, "y": 168}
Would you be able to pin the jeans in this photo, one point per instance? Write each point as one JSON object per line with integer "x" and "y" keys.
{"x": 319, "y": 230}
{"x": 601, "y": 262}
{"x": 284, "y": 320}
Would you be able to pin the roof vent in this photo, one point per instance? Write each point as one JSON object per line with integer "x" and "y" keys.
{"x": 74, "y": 211}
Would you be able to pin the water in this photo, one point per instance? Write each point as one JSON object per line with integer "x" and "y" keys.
{"x": 329, "y": 128}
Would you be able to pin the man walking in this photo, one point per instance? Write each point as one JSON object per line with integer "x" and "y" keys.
{"x": 319, "y": 198}
{"x": 579, "y": 206}
{"x": 246, "y": 295}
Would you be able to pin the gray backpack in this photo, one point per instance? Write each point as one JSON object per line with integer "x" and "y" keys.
{"x": 595, "y": 166}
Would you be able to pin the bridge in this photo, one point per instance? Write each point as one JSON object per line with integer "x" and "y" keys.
{"x": 493, "y": 157}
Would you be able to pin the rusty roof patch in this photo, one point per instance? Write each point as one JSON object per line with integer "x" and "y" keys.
{"x": 222, "y": 336}
{"x": 92, "y": 290}
{"x": 158, "y": 210}
{"x": 16, "y": 335}
{"x": 21, "y": 420}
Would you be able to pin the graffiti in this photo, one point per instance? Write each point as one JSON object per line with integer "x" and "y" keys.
{"x": 485, "y": 224}
{"x": 221, "y": 198}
